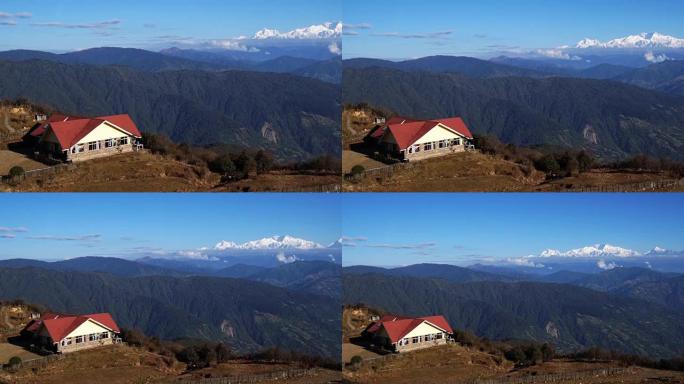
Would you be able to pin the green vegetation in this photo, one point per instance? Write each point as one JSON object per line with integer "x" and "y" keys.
{"x": 570, "y": 317}
{"x": 595, "y": 353}
{"x": 233, "y": 107}
{"x": 609, "y": 119}
{"x": 247, "y": 315}
{"x": 231, "y": 164}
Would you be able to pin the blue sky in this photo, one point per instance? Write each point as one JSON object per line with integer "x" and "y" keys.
{"x": 401, "y": 29}
{"x": 401, "y": 229}
{"x": 62, "y": 25}
{"x": 59, "y": 226}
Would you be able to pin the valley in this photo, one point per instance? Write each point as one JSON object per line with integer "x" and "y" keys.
{"x": 494, "y": 168}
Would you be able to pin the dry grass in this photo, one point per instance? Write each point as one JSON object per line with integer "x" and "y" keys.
{"x": 454, "y": 364}
{"x": 113, "y": 364}
{"x": 350, "y": 350}
{"x": 477, "y": 172}
{"x": 239, "y": 368}
{"x": 461, "y": 172}
{"x": 145, "y": 172}
{"x": 9, "y": 159}
{"x": 352, "y": 158}
{"x": 7, "y": 351}
{"x": 448, "y": 363}
{"x": 281, "y": 181}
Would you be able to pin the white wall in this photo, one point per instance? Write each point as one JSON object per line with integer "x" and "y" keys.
{"x": 103, "y": 131}
{"x": 439, "y": 132}
{"x": 87, "y": 328}
{"x": 423, "y": 329}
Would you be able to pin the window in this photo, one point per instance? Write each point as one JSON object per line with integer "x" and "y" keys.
{"x": 444, "y": 144}
{"x": 438, "y": 336}
{"x": 68, "y": 341}
{"x": 455, "y": 142}
{"x": 414, "y": 340}
{"x": 92, "y": 146}
{"x": 79, "y": 339}
{"x": 123, "y": 141}
{"x": 93, "y": 337}
{"x": 73, "y": 149}
{"x": 427, "y": 146}
{"x": 104, "y": 335}
{"x": 416, "y": 148}
{"x": 428, "y": 337}
{"x": 110, "y": 143}
{"x": 405, "y": 341}
{"x": 80, "y": 148}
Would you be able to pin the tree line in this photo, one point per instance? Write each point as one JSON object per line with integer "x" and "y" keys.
{"x": 234, "y": 165}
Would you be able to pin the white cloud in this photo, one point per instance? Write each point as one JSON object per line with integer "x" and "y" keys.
{"x": 606, "y": 266}
{"x": 7, "y": 236}
{"x": 557, "y": 53}
{"x": 231, "y": 45}
{"x": 335, "y": 48}
{"x": 18, "y": 15}
{"x": 91, "y": 237}
{"x": 96, "y": 25}
{"x": 426, "y": 35}
{"x": 525, "y": 261}
{"x": 281, "y": 257}
{"x": 13, "y": 229}
{"x": 652, "y": 58}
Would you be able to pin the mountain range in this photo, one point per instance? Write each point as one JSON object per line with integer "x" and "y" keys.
{"x": 611, "y": 119}
{"x": 591, "y": 310}
{"x": 176, "y": 59}
{"x": 292, "y": 116}
{"x": 248, "y": 315}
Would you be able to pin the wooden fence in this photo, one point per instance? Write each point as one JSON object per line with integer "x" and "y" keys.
{"x": 644, "y": 186}
{"x": 37, "y": 362}
{"x": 255, "y": 378}
{"x": 51, "y": 170}
{"x": 566, "y": 377}
{"x": 326, "y": 188}
{"x": 384, "y": 172}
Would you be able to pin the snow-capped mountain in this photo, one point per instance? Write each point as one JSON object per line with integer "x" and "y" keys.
{"x": 597, "y": 250}
{"x": 273, "y": 242}
{"x": 318, "y": 31}
{"x": 642, "y": 40}
{"x": 336, "y": 244}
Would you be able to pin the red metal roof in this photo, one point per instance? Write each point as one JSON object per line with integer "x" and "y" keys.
{"x": 407, "y": 131}
{"x": 397, "y": 326}
{"x": 69, "y": 130}
{"x": 54, "y": 118}
{"x": 59, "y": 326}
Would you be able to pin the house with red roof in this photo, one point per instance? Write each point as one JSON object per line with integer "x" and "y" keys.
{"x": 76, "y": 138}
{"x": 402, "y": 334}
{"x": 68, "y": 333}
{"x": 408, "y": 139}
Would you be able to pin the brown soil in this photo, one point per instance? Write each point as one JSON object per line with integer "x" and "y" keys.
{"x": 477, "y": 172}
{"x": 146, "y": 172}
{"x": 442, "y": 364}
{"x": 121, "y": 364}
{"x": 457, "y": 364}
{"x": 113, "y": 364}
{"x": 461, "y": 172}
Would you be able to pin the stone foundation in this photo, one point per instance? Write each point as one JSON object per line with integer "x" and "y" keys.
{"x": 422, "y": 155}
{"x": 104, "y": 152}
